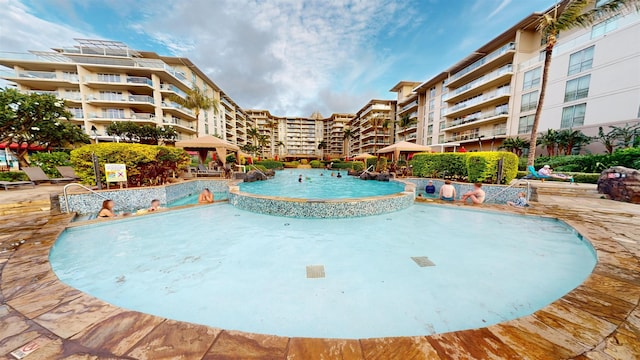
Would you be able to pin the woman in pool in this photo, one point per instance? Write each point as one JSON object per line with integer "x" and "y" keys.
{"x": 206, "y": 197}
{"x": 107, "y": 209}
{"x": 447, "y": 191}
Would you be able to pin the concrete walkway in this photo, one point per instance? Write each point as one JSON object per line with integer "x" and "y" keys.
{"x": 600, "y": 319}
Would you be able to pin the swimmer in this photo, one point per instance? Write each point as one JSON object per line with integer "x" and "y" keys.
{"x": 338, "y": 176}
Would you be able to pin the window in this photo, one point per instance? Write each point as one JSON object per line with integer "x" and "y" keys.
{"x": 525, "y": 124}
{"x": 206, "y": 128}
{"x": 581, "y": 61}
{"x": 529, "y": 101}
{"x": 429, "y": 141}
{"x": 577, "y": 88}
{"x": 430, "y": 129}
{"x": 432, "y": 92}
{"x": 442, "y": 125}
{"x": 432, "y": 103}
{"x": 441, "y": 139}
{"x": 604, "y": 27}
{"x": 109, "y": 77}
{"x": 430, "y": 118}
{"x": 111, "y": 95}
{"x": 573, "y": 116}
{"x": 532, "y": 78}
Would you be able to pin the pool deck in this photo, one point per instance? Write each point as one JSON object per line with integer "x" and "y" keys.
{"x": 600, "y": 319}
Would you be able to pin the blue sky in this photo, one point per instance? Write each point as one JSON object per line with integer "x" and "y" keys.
{"x": 291, "y": 57}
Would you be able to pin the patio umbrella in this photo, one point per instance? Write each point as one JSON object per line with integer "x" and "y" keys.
{"x": 207, "y": 143}
{"x": 363, "y": 156}
{"x": 402, "y": 146}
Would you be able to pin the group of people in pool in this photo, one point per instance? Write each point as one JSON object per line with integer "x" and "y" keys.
{"x": 107, "y": 209}
{"x": 476, "y": 195}
{"x": 300, "y": 178}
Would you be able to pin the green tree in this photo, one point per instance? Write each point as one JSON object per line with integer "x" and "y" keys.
{"x": 347, "y": 135}
{"x": 375, "y": 121}
{"x": 549, "y": 141}
{"x": 570, "y": 140}
{"x": 387, "y": 127}
{"x": 516, "y": 145}
{"x": 606, "y": 139}
{"x": 263, "y": 140}
{"x": 196, "y": 100}
{"x": 254, "y": 133}
{"x": 406, "y": 122}
{"x": 322, "y": 145}
{"x": 272, "y": 126}
{"x": 36, "y": 119}
{"x": 568, "y": 15}
{"x": 627, "y": 135}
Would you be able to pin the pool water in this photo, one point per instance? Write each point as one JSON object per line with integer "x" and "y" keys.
{"x": 193, "y": 199}
{"x": 319, "y": 184}
{"x": 228, "y": 268}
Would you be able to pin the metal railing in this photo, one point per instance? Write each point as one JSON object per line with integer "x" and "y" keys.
{"x": 509, "y": 187}
{"x": 66, "y": 197}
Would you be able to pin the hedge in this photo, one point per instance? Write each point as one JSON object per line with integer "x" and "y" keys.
{"x": 356, "y": 165}
{"x": 146, "y": 164}
{"x": 475, "y": 167}
{"x": 291, "y": 164}
{"x": 316, "y": 164}
{"x": 48, "y": 162}
{"x": 372, "y": 161}
{"x": 13, "y": 176}
{"x": 593, "y": 163}
{"x": 270, "y": 164}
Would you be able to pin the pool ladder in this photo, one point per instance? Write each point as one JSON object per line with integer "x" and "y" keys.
{"x": 66, "y": 197}
{"x": 509, "y": 187}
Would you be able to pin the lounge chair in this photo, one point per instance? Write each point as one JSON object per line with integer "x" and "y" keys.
{"x": 67, "y": 172}
{"x": 8, "y": 184}
{"x": 36, "y": 175}
{"x": 535, "y": 175}
{"x": 202, "y": 170}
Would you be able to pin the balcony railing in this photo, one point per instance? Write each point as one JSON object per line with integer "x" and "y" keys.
{"x": 480, "y": 99}
{"x": 503, "y": 110}
{"x": 175, "y": 89}
{"x": 483, "y": 79}
{"x": 171, "y": 104}
{"x": 77, "y": 114}
{"x": 141, "y": 98}
{"x": 176, "y": 121}
{"x": 474, "y": 135}
{"x": 409, "y": 106}
{"x": 502, "y": 50}
{"x": 46, "y": 75}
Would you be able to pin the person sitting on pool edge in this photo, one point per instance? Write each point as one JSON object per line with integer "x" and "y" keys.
{"x": 430, "y": 188}
{"x": 476, "y": 195}
{"x": 447, "y": 191}
{"x": 205, "y": 197}
{"x": 520, "y": 202}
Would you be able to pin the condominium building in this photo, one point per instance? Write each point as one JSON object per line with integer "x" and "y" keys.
{"x": 372, "y": 127}
{"x": 493, "y": 93}
{"x": 106, "y": 81}
{"x": 407, "y": 111}
{"x": 334, "y": 135}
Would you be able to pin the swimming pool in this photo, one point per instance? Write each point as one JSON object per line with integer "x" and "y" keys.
{"x": 193, "y": 199}
{"x": 221, "y": 266}
{"x": 319, "y": 184}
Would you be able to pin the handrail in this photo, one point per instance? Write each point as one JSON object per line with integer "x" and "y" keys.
{"x": 258, "y": 170}
{"x": 244, "y": 169}
{"x": 66, "y": 199}
{"x": 510, "y": 186}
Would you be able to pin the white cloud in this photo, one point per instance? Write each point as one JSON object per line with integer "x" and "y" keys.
{"x": 497, "y": 10}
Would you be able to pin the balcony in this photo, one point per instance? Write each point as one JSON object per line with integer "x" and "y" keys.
{"x": 114, "y": 82}
{"x": 476, "y": 103}
{"x": 499, "y": 54}
{"x": 491, "y": 79}
{"x": 470, "y": 136}
{"x": 109, "y": 117}
{"x": 227, "y": 104}
{"x": 174, "y": 121}
{"x": 172, "y": 88}
{"x": 119, "y": 100}
{"x": 486, "y": 117}
{"x": 408, "y": 106}
{"x": 170, "y": 106}
{"x": 42, "y": 78}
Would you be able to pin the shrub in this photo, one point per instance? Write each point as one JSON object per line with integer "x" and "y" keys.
{"x": 316, "y": 164}
{"x": 270, "y": 164}
{"x": 13, "y": 176}
{"x": 304, "y": 161}
{"x": 291, "y": 164}
{"x": 483, "y": 166}
{"x": 231, "y": 158}
{"x": 146, "y": 164}
{"x": 48, "y": 161}
{"x": 450, "y": 165}
{"x": 357, "y": 165}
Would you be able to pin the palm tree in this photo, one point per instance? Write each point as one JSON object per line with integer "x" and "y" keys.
{"x": 347, "y": 134}
{"x": 568, "y": 140}
{"x": 549, "y": 141}
{"x": 606, "y": 139}
{"x": 279, "y": 144}
{"x": 626, "y": 135}
{"x": 254, "y": 133}
{"x": 263, "y": 140}
{"x": 322, "y": 145}
{"x": 386, "y": 126}
{"x": 196, "y": 100}
{"x": 516, "y": 145}
{"x": 375, "y": 121}
{"x": 406, "y": 122}
{"x": 568, "y": 15}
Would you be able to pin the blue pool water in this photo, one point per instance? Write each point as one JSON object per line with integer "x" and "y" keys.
{"x": 315, "y": 186}
{"x": 221, "y": 266}
{"x": 193, "y": 199}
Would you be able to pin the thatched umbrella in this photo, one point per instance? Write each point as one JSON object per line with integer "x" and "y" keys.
{"x": 403, "y": 146}
{"x": 207, "y": 143}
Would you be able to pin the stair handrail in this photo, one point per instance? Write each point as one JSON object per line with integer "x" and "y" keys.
{"x": 66, "y": 197}
{"x": 510, "y": 186}
{"x": 258, "y": 170}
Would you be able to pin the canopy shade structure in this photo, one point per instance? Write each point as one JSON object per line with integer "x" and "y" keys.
{"x": 402, "y": 146}
{"x": 363, "y": 156}
{"x": 207, "y": 143}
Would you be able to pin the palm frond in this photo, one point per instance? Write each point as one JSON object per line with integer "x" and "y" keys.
{"x": 572, "y": 11}
{"x": 603, "y": 12}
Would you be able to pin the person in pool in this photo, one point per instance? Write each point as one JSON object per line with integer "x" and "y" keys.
{"x": 155, "y": 205}
{"x": 107, "y": 209}
{"x": 205, "y": 197}
{"x": 476, "y": 195}
{"x": 339, "y": 176}
{"x": 447, "y": 191}
{"x": 300, "y": 178}
{"x": 430, "y": 188}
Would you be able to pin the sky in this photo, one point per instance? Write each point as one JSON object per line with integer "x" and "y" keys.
{"x": 291, "y": 57}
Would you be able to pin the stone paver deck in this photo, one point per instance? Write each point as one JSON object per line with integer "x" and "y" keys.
{"x": 600, "y": 319}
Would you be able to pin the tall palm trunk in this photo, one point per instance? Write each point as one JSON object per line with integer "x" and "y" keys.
{"x": 543, "y": 90}
{"x": 196, "y": 112}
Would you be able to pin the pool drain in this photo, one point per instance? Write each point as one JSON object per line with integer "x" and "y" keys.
{"x": 423, "y": 261}
{"x": 315, "y": 271}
